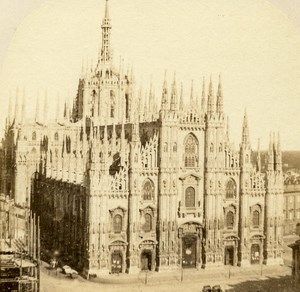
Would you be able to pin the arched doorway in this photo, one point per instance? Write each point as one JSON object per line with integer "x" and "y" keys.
{"x": 255, "y": 254}
{"x": 146, "y": 260}
{"x": 189, "y": 248}
{"x": 229, "y": 255}
{"x": 116, "y": 262}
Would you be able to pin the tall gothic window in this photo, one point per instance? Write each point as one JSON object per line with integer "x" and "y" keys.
{"x": 112, "y": 104}
{"x": 190, "y": 197}
{"x": 93, "y": 103}
{"x": 34, "y": 136}
{"x": 148, "y": 190}
{"x": 230, "y": 220}
{"x": 117, "y": 223}
{"x": 230, "y": 189}
{"x": 191, "y": 151}
{"x": 148, "y": 223}
{"x": 56, "y": 136}
{"x": 255, "y": 219}
{"x": 127, "y": 105}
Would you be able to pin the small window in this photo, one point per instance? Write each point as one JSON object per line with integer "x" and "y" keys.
{"x": 190, "y": 197}
{"x": 148, "y": 223}
{"x": 56, "y": 136}
{"x": 117, "y": 223}
{"x": 112, "y": 111}
{"x": 174, "y": 147}
{"x": 166, "y": 147}
{"x": 230, "y": 220}
{"x": 255, "y": 219}
{"x": 33, "y": 136}
{"x": 211, "y": 149}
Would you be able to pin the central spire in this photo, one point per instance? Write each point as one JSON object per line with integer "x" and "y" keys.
{"x": 106, "y": 53}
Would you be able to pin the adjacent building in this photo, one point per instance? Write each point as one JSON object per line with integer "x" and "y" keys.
{"x": 291, "y": 207}
{"x": 296, "y": 257}
{"x": 123, "y": 183}
{"x": 19, "y": 248}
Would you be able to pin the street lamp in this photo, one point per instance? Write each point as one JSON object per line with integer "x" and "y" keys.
{"x": 180, "y": 231}
{"x": 181, "y": 258}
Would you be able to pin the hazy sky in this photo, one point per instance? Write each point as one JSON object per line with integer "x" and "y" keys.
{"x": 255, "y": 44}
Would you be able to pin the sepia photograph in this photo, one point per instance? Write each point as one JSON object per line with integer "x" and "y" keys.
{"x": 149, "y": 145}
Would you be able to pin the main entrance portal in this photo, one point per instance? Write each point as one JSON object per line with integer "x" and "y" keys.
{"x": 229, "y": 255}
{"x": 116, "y": 262}
{"x": 189, "y": 251}
{"x": 146, "y": 260}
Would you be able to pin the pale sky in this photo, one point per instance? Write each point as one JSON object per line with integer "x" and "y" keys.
{"x": 254, "y": 44}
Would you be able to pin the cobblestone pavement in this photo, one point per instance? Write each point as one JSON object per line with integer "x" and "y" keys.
{"x": 251, "y": 279}
{"x": 241, "y": 279}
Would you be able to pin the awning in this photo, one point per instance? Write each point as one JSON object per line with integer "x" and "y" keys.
{"x": 25, "y": 263}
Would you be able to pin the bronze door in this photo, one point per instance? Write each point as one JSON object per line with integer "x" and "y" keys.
{"x": 229, "y": 255}
{"x": 116, "y": 262}
{"x": 146, "y": 261}
{"x": 255, "y": 254}
{"x": 189, "y": 251}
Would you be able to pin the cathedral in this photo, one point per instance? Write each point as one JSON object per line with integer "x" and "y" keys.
{"x": 123, "y": 183}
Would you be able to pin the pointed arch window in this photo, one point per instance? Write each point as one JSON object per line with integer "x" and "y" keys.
{"x": 148, "y": 223}
{"x": 255, "y": 219}
{"x": 33, "y": 136}
{"x": 191, "y": 151}
{"x": 230, "y": 220}
{"x": 56, "y": 136}
{"x": 148, "y": 190}
{"x": 230, "y": 189}
{"x": 190, "y": 197}
{"x": 117, "y": 223}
